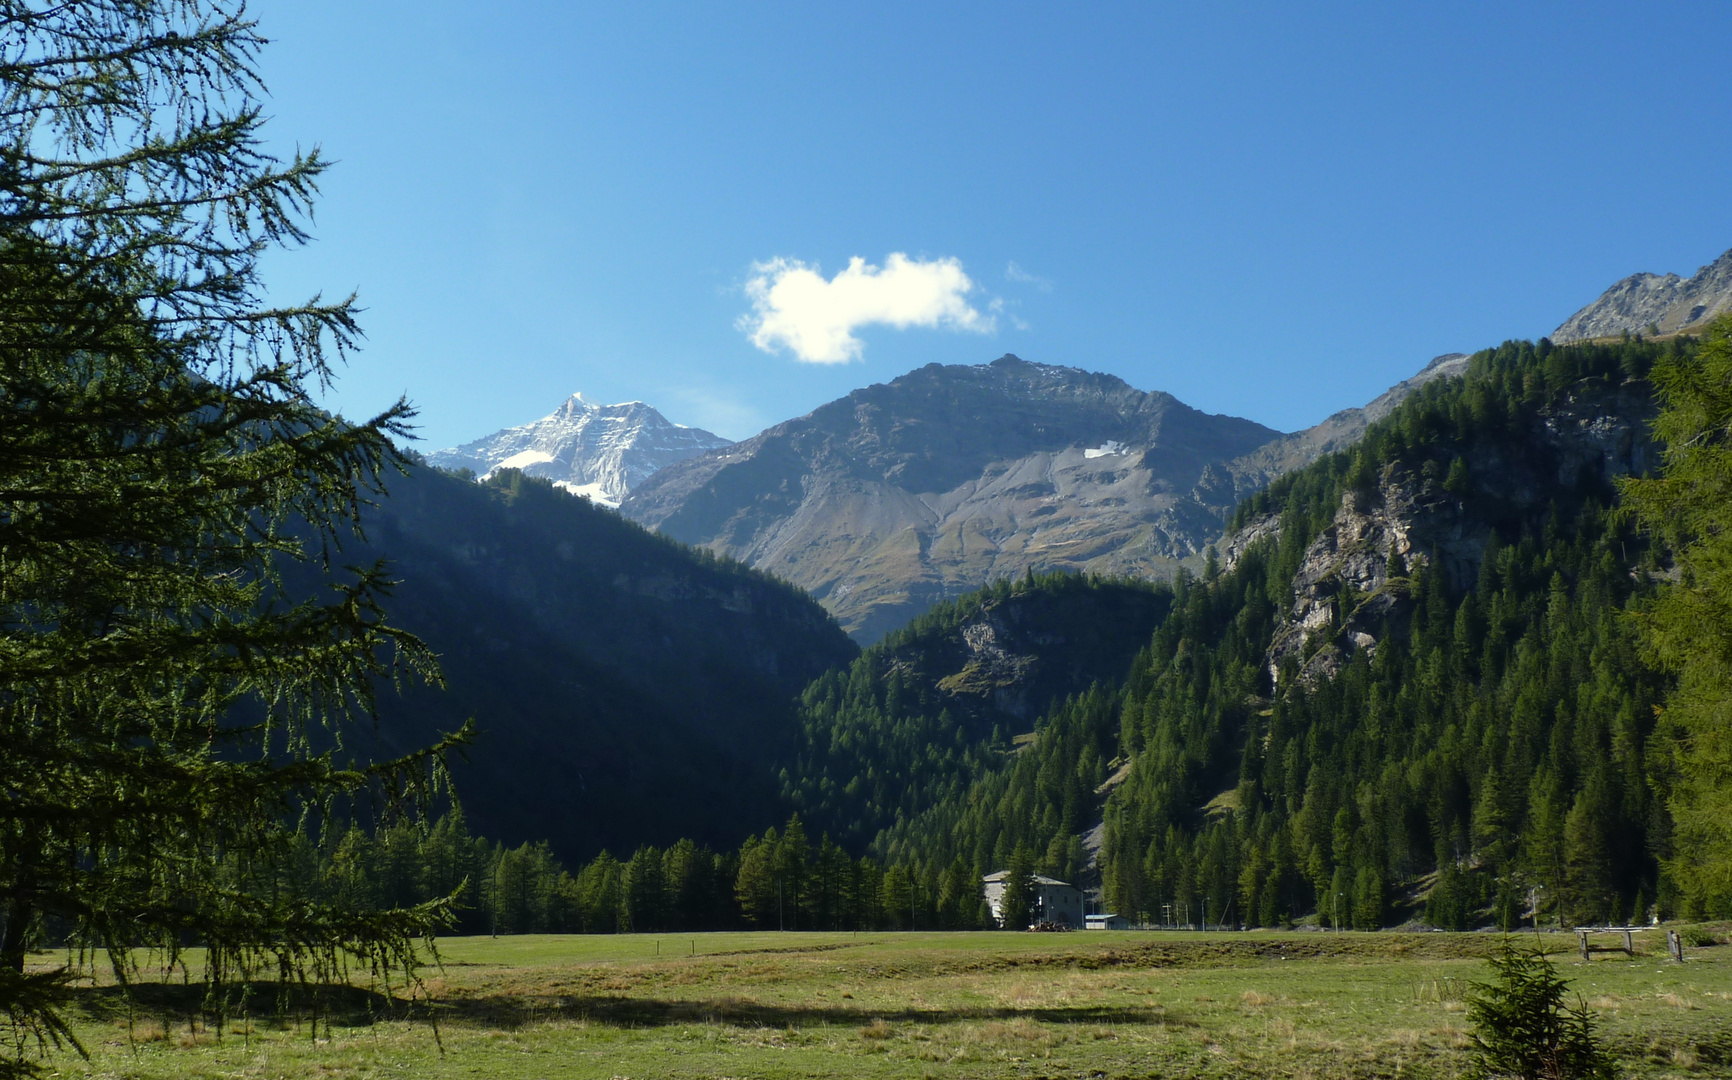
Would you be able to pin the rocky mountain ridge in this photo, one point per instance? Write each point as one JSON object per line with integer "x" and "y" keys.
{"x": 1654, "y": 305}
{"x": 945, "y": 479}
{"x": 598, "y": 451}
{"x": 929, "y": 486}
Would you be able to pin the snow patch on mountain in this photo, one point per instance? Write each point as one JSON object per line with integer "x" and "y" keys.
{"x": 598, "y": 451}
{"x": 521, "y": 461}
{"x": 592, "y": 492}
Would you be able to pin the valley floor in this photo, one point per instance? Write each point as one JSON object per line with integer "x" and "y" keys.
{"x": 1097, "y": 1004}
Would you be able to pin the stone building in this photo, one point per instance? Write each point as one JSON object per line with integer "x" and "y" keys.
{"x": 1054, "y": 901}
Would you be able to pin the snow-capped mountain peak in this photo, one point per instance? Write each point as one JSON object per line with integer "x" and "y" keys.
{"x": 601, "y": 451}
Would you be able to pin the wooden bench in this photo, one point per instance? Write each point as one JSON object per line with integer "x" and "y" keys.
{"x": 1628, "y": 948}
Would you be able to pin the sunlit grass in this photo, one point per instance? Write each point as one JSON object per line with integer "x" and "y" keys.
{"x": 938, "y": 1005}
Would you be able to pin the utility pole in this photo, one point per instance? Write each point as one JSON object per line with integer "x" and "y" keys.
{"x": 496, "y": 864}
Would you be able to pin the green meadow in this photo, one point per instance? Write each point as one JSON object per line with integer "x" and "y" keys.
{"x": 920, "y": 1005}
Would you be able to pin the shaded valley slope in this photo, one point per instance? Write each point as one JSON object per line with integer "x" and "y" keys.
{"x": 628, "y": 689}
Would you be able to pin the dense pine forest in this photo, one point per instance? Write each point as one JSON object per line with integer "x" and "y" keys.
{"x": 779, "y": 880}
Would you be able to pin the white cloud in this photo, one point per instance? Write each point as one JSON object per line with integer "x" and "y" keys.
{"x": 999, "y": 307}
{"x": 1015, "y": 273}
{"x": 793, "y": 307}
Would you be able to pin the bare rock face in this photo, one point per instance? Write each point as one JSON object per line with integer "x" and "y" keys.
{"x": 903, "y": 494}
{"x": 948, "y": 478}
{"x": 1357, "y": 573}
{"x": 1653, "y": 305}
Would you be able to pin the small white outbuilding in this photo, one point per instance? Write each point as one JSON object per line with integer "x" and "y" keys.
{"x": 1106, "y": 922}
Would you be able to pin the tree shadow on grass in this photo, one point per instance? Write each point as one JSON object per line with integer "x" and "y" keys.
{"x": 343, "y": 1005}
{"x": 512, "y": 1011}
{"x": 357, "y": 1006}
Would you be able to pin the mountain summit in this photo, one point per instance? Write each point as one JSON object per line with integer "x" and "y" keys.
{"x": 602, "y": 451}
{"x": 1653, "y": 305}
{"x": 907, "y": 492}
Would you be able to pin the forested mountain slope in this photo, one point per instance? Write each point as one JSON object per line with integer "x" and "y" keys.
{"x": 628, "y": 689}
{"x": 932, "y": 707}
{"x": 1406, "y": 692}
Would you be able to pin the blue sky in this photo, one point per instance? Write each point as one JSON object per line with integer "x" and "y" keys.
{"x": 1274, "y": 211}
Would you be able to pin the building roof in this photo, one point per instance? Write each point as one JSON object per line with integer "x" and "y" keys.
{"x": 1000, "y": 875}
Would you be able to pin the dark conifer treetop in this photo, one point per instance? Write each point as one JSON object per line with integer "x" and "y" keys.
{"x": 164, "y": 712}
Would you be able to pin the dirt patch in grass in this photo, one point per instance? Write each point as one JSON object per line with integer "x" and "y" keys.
{"x": 1249, "y": 950}
{"x": 505, "y": 1012}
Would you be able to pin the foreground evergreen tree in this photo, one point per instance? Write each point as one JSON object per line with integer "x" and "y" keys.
{"x": 1017, "y": 904}
{"x": 1689, "y": 627}
{"x": 164, "y": 708}
{"x": 1525, "y": 1030}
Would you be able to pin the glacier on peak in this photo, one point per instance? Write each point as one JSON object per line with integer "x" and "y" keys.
{"x": 598, "y": 451}
{"x": 522, "y": 460}
{"x": 592, "y": 492}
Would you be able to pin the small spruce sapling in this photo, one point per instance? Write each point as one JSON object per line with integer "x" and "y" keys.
{"x": 1523, "y": 1027}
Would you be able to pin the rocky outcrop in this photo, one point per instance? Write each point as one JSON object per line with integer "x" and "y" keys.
{"x": 1355, "y": 575}
{"x": 1654, "y": 305}
{"x": 1009, "y": 658}
{"x": 598, "y": 451}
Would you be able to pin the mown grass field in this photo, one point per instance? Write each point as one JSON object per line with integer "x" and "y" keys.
{"x": 937, "y": 1005}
